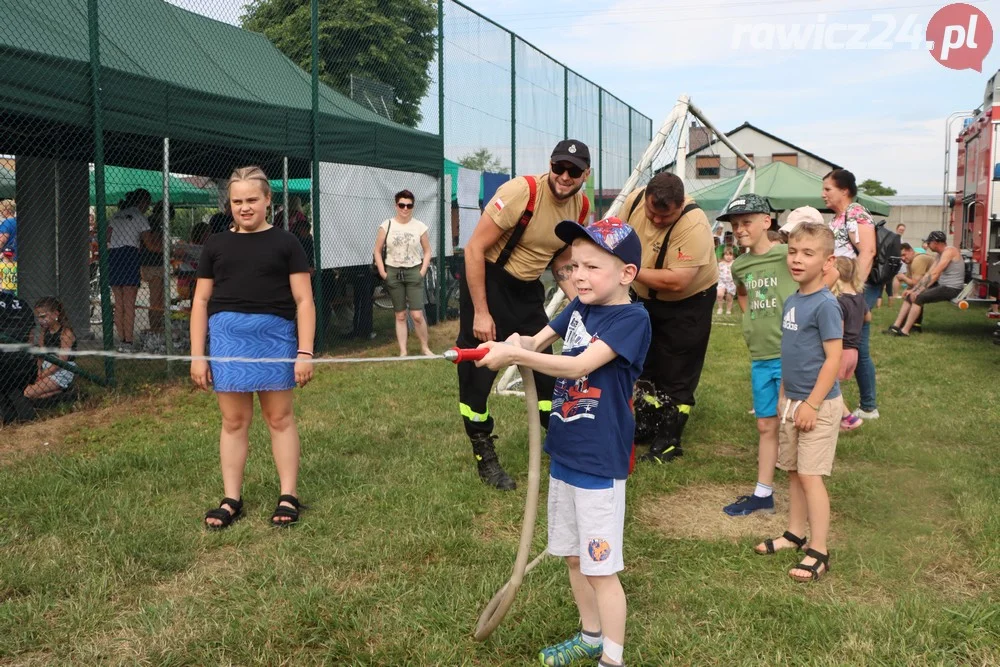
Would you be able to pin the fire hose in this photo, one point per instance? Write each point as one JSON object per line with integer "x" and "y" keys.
{"x": 498, "y": 606}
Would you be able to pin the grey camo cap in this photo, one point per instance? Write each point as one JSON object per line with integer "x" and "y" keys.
{"x": 749, "y": 203}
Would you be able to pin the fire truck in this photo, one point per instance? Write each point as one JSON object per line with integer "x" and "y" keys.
{"x": 974, "y": 208}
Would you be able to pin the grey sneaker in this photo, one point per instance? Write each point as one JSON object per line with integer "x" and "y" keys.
{"x": 865, "y": 414}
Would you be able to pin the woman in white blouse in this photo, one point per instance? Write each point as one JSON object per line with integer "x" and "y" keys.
{"x": 402, "y": 255}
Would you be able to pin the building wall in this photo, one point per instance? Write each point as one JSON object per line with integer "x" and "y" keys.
{"x": 750, "y": 142}
{"x": 919, "y": 220}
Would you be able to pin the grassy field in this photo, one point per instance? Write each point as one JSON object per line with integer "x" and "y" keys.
{"x": 103, "y": 559}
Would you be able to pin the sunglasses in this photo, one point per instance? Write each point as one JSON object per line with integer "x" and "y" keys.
{"x": 402, "y": 205}
{"x": 560, "y": 168}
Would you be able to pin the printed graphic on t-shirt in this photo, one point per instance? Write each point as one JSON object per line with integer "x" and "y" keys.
{"x": 789, "y": 321}
{"x": 404, "y": 247}
{"x": 576, "y": 399}
{"x": 762, "y": 292}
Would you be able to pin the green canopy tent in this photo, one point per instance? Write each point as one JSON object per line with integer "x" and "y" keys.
{"x": 225, "y": 97}
{"x": 297, "y": 187}
{"x": 118, "y": 181}
{"x": 786, "y": 187}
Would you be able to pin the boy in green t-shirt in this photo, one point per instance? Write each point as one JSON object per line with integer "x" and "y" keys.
{"x": 762, "y": 285}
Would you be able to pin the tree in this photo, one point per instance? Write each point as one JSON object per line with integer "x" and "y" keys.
{"x": 876, "y": 189}
{"x": 389, "y": 41}
{"x": 482, "y": 160}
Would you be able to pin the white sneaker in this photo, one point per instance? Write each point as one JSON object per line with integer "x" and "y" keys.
{"x": 865, "y": 414}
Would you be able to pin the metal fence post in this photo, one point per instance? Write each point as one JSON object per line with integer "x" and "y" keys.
{"x": 320, "y": 341}
{"x": 100, "y": 212}
{"x": 600, "y": 155}
{"x": 565, "y": 103}
{"x": 445, "y": 204}
{"x": 284, "y": 191}
{"x": 165, "y": 251}
{"x": 513, "y": 105}
{"x": 630, "y": 163}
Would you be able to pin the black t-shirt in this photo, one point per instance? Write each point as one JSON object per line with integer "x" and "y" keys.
{"x": 146, "y": 256}
{"x": 308, "y": 248}
{"x": 854, "y": 308}
{"x": 250, "y": 271}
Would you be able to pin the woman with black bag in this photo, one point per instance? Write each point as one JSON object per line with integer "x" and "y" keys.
{"x": 402, "y": 256}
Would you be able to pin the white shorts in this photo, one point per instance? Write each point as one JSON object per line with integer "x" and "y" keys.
{"x": 588, "y": 523}
{"x": 62, "y": 377}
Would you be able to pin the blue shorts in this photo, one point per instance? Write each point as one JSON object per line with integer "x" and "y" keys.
{"x": 765, "y": 380}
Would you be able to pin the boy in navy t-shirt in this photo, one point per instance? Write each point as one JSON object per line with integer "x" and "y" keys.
{"x": 591, "y": 427}
{"x": 809, "y": 405}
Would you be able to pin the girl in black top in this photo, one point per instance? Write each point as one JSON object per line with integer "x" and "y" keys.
{"x": 53, "y": 332}
{"x": 253, "y": 299}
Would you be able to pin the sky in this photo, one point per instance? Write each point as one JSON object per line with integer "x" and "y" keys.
{"x": 869, "y": 96}
{"x": 877, "y": 108}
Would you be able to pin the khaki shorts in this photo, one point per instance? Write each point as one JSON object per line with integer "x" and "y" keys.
{"x": 405, "y": 286}
{"x": 812, "y": 452}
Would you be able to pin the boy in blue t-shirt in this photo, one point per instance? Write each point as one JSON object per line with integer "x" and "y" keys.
{"x": 810, "y": 406}
{"x": 591, "y": 427}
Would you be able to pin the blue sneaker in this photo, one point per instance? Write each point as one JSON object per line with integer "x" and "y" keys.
{"x": 746, "y": 505}
{"x": 570, "y": 651}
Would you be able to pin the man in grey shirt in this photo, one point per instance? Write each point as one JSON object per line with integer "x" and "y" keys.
{"x": 948, "y": 274}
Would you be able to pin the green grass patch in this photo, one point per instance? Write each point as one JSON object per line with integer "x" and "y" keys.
{"x": 103, "y": 559}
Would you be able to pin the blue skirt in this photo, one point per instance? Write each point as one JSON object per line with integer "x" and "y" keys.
{"x": 123, "y": 265}
{"x": 256, "y": 336}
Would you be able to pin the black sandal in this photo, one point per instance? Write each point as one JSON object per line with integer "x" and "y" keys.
{"x": 799, "y": 542}
{"x": 813, "y": 570}
{"x": 225, "y": 516}
{"x": 281, "y": 511}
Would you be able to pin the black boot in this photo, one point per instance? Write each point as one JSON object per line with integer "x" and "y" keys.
{"x": 667, "y": 443}
{"x": 490, "y": 470}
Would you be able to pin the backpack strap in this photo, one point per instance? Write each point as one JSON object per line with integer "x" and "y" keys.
{"x": 584, "y": 210}
{"x": 662, "y": 256}
{"x": 522, "y": 224}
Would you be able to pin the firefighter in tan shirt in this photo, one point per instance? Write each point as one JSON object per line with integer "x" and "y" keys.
{"x": 676, "y": 283}
{"x": 500, "y": 292}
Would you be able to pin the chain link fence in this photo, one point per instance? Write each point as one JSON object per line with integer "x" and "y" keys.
{"x": 122, "y": 119}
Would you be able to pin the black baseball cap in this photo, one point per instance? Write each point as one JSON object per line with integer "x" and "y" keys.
{"x": 572, "y": 151}
{"x": 748, "y": 203}
{"x": 936, "y": 237}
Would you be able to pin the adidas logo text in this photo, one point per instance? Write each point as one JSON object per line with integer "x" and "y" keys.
{"x": 788, "y": 322}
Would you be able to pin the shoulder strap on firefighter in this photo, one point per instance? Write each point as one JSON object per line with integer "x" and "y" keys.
{"x": 662, "y": 256}
{"x": 584, "y": 209}
{"x": 522, "y": 224}
{"x": 635, "y": 204}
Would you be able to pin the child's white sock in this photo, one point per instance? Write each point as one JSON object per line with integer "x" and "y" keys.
{"x": 762, "y": 490}
{"x": 613, "y": 651}
{"x": 592, "y": 638}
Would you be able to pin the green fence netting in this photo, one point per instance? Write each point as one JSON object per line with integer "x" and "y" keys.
{"x": 103, "y": 101}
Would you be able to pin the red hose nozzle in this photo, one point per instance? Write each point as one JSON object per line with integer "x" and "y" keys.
{"x": 458, "y": 354}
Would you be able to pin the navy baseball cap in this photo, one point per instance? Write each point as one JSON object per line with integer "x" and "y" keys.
{"x": 573, "y": 151}
{"x": 611, "y": 234}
